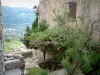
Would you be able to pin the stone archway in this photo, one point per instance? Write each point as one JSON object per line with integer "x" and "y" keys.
{"x": 1, "y": 44}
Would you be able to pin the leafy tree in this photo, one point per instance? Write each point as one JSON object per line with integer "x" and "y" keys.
{"x": 31, "y": 32}
{"x": 67, "y": 42}
{"x": 25, "y": 40}
{"x": 35, "y": 25}
{"x": 43, "y": 25}
{"x": 37, "y": 71}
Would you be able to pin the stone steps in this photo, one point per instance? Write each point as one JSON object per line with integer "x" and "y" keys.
{"x": 14, "y": 64}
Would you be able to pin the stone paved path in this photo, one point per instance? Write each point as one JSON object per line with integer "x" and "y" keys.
{"x": 13, "y": 72}
{"x": 29, "y": 62}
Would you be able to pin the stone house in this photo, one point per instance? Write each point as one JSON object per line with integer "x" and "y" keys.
{"x": 86, "y": 10}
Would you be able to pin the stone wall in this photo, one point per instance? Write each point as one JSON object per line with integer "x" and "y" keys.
{"x": 1, "y": 45}
{"x": 93, "y": 9}
{"x": 85, "y": 8}
{"x": 47, "y": 8}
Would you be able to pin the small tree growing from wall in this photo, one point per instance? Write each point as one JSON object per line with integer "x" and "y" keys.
{"x": 83, "y": 57}
{"x": 70, "y": 43}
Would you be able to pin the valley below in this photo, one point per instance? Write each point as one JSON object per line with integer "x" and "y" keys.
{"x": 14, "y": 26}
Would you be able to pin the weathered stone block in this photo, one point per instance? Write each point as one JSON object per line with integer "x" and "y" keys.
{"x": 26, "y": 54}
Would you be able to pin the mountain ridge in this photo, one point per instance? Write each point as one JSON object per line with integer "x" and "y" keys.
{"x": 18, "y": 15}
{"x": 15, "y": 20}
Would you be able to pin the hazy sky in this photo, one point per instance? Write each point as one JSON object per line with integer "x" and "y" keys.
{"x": 20, "y": 3}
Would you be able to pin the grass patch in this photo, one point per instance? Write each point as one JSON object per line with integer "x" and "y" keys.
{"x": 11, "y": 45}
{"x": 37, "y": 71}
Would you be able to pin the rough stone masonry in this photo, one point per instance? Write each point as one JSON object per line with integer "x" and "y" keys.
{"x": 1, "y": 46}
{"x": 84, "y": 10}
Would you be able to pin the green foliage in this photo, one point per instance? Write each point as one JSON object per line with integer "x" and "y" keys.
{"x": 47, "y": 41}
{"x": 82, "y": 57}
{"x": 35, "y": 24}
{"x": 61, "y": 18}
{"x": 43, "y": 25}
{"x": 37, "y": 71}
{"x": 82, "y": 53}
{"x": 34, "y": 32}
{"x": 92, "y": 63}
{"x": 7, "y": 40}
{"x": 67, "y": 42}
{"x": 25, "y": 40}
{"x": 11, "y": 45}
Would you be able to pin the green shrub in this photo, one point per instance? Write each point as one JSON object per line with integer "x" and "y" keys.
{"x": 37, "y": 71}
{"x": 25, "y": 39}
{"x": 43, "y": 25}
{"x": 33, "y": 32}
{"x": 82, "y": 56}
{"x": 35, "y": 25}
{"x": 7, "y": 40}
{"x": 71, "y": 44}
{"x": 51, "y": 41}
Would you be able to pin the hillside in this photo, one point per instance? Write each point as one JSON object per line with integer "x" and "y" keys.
{"x": 17, "y": 15}
{"x": 15, "y": 20}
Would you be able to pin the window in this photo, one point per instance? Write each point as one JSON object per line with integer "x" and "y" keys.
{"x": 72, "y": 10}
